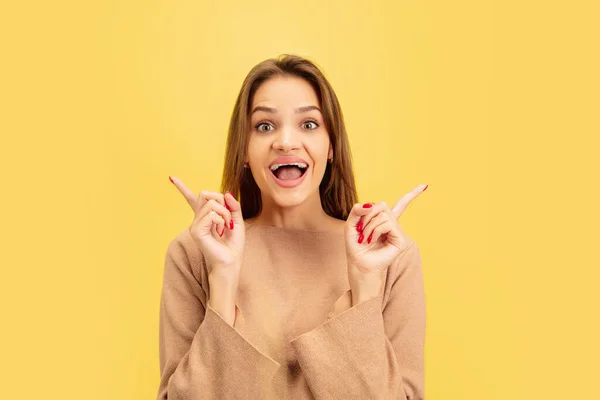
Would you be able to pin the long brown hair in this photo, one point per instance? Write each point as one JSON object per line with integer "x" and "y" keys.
{"x": 337, "y": 189}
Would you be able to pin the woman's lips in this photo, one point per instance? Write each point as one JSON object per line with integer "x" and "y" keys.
{"x": 288, "y": 183}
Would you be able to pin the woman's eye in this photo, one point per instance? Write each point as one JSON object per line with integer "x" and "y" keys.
{"x": 311, "y": 122}
{"x": 257, "y": 127}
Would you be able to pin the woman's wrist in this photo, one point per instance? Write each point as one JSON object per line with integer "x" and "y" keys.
{"x": 365, "y": 285}
{"x": 223, "y": 295}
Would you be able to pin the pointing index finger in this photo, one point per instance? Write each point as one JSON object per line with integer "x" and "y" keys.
{"x": 187, "y": 193}
{"x": 406, "y": 199}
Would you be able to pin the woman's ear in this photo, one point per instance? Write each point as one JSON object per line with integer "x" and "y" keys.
{"x": 330, "y": 155}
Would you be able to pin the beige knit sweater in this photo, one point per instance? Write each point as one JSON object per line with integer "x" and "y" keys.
{"x": 289, "y": 341}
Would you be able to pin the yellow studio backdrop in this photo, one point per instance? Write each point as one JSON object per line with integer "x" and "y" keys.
{"x": 494, "y": 104}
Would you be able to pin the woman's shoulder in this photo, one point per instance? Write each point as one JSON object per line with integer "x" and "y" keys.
{"x": 183, "y": 242}
{"x": 183, "y": 253}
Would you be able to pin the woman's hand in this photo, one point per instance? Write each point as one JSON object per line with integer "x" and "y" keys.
{"x": 217, "y": 228}
{"x": 374, "y": 239}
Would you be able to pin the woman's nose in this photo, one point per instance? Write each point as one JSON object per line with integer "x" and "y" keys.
{"x": 287, "y": 140}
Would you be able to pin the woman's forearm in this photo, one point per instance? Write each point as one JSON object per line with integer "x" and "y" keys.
{"x": 223, "y": 296}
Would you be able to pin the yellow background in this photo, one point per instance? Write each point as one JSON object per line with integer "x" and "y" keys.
{"x": 493, "y": 104}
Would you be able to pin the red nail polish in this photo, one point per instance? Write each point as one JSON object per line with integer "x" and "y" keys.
{"x": 425, "y": 188}
{"x": 226, "y": 206}
{"x": 221, "y": 234}
{"x": 359, "y": 226}
{"x": 361, "y": 238}
{"x": 367, "y": 205}
{"x": 171, "y": 180}
{"x": 370, "y": 237}
{"x": 231, "y": 224}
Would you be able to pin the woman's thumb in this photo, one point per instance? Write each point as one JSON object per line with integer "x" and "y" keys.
{"x": 234, "y": 207}
{"x": 357, "y": 212}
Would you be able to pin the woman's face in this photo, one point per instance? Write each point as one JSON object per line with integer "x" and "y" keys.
{"x": 288, "y": 144}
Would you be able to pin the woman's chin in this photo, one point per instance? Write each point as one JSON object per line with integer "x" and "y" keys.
{"x": 289, "y": 199}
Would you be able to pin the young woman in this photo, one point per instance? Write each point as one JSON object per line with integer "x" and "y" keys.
{"x": 296, "y": 291}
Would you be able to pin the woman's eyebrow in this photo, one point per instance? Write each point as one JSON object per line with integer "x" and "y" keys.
{"x": 274, "y": 110}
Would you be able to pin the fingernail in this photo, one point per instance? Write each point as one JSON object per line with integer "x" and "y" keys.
{"x": 359, "y": 226}
{"x": 361, "y": 238}
{"x": 171, "y": 180}
{"x": 226, "y": 206}
{"x": 221, "y": 234}
{"x": 425, "y": 188}
{"x": 370, "y": 237}
{"x": 230, "y": 224}
{"x": 367, "y": 205}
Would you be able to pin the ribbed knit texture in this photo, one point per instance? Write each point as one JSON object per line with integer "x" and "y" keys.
{"x": 286, "y": 343}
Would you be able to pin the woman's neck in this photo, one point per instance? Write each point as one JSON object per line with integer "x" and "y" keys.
{"x": 306, "y": 216}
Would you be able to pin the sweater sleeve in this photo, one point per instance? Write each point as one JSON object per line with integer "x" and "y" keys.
{"x": 201, "y": 355}
{"x": 365, "y": 352}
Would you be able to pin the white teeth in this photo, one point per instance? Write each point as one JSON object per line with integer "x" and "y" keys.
{"x": 300, "y": 165}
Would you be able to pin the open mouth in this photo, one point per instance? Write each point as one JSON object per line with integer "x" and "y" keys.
{"x": 289, "y": 175}
{"x": 289, "y": 172}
